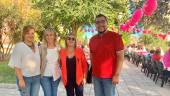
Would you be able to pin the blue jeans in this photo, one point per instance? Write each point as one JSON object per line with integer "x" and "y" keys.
{"x": 103, "y": 87}
{"x": 32, "y": 86}
{"x": 49, "y": 86}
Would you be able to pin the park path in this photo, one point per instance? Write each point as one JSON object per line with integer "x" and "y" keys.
{"x": 132, "y": 83}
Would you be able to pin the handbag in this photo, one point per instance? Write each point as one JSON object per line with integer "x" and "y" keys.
{"x": 89, "y": 75}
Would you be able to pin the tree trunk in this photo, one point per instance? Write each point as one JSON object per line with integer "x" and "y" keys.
{"x": 8, "y": 50}
{"x": 1, "y": 44}
{"x": 3, "y": 49}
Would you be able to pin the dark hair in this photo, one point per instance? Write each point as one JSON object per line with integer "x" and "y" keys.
{"x": 101, "y": 15}
{"x": 152, "y": 51}
{"x": 158, "y": 51}
{"x": 26, "y": 29}
{"x": 169, "y": 43}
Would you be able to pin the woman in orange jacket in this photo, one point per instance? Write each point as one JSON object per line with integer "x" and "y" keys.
{"x": 73, "y": 67}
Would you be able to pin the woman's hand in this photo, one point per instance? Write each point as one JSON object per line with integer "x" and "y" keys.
{"x": 20, "y": 78}
{"x": 22, "y": 84}
{"x": 84, "y": 81}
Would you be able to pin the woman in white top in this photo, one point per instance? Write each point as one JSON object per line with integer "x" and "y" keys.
{"x": 50, "y": 69}
{"x": 25, "y": 59}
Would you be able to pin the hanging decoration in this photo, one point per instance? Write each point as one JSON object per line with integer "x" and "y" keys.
{"x": 149, "y": 7}
{"x": 162, "y": 36}
{"x": 123, "y": 27}
{"x": 89, "y": 30}
{"x": 146, "y": 31}
{"x": 137, "y": 15}
{"x": 85, "y": 30}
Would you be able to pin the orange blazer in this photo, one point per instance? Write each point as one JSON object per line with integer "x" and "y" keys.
{"x": 81, "y": 65}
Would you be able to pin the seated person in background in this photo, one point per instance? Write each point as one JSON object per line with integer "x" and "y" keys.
{"x": 149, "y": 55}
{"x": 157, "y": 55}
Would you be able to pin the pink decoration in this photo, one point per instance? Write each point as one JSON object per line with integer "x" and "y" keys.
{"x": 85, "y": 30}
{"x": 123, "y": 27}
{"x": 146, "y": 31}
{"x": 168, "y": 33}
{"x": 149, "y": 7}
{"x": 128, "y": 23}
{"x": 127, "y": 27}
{"x": 138, "y": 30}
{"x": 93, "y": 30}
{"x": 162, "y": 36}
{"x": 166, "y": 59}
{"x": 137, "y": 15}
{"x": 88, "y": 30}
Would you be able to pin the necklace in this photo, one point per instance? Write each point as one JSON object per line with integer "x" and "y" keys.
{"x": 30, "y": 46}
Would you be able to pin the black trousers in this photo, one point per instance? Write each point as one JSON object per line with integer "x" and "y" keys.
{"x": 70, "y": 87}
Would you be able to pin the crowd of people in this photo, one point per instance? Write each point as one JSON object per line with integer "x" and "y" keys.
{"x": 138, "y": 51}
{"x": 47, "y": 64}
{"x": 153, "y": 62}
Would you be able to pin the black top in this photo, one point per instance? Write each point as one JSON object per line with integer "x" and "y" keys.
{"x": 71, "y": 70}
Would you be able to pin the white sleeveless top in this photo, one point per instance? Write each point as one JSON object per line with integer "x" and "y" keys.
{"x": 52, "y": 67}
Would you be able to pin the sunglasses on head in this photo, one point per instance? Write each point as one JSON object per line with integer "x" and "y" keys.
{"x": 71, "y": 38}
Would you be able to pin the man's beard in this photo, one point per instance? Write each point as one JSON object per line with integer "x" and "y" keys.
{"x": 101, "y": 32}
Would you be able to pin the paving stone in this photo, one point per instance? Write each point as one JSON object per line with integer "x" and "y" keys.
{"x": 132, "y": 83}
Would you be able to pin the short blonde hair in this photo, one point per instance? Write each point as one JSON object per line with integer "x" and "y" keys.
{"x": 26, "y": 29}
{"x": 70, "y": 34}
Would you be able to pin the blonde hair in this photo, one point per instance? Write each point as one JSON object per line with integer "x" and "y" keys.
{"x": 70, "y": 34}
{"x": 54, "y": 33}
{"x": 26, "y": 29}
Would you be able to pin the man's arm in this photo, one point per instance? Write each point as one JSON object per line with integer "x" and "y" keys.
{"x": 120, "y": 59}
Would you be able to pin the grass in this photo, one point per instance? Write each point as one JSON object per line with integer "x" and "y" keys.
{"x": 7, "y": 74}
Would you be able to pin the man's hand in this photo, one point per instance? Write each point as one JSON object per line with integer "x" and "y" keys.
{"x": 115, "y": 79}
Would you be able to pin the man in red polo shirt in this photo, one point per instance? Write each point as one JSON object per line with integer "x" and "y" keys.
{"x": 107, "y": 55}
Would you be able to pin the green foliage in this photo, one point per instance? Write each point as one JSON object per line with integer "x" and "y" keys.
{"x": 62, "y": 43}
{"x": 126, "y": 38}
{"x": 7, "y": 75}
{"x": 147, "y": 40}
{"x": 16, "y": 16}
{"x": 72, "y": 14}
{"x": 152, "y": 42}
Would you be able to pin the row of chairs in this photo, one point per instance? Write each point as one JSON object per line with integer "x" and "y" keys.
{"x": 152, "y": 69}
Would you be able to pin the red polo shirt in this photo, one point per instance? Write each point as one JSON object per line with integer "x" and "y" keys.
{"x": 103, "y": 51}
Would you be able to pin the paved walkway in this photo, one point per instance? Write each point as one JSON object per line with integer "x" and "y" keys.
{"x": 132, "y": 83}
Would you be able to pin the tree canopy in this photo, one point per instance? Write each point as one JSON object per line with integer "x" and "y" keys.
{"x": 71, "y": 14}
